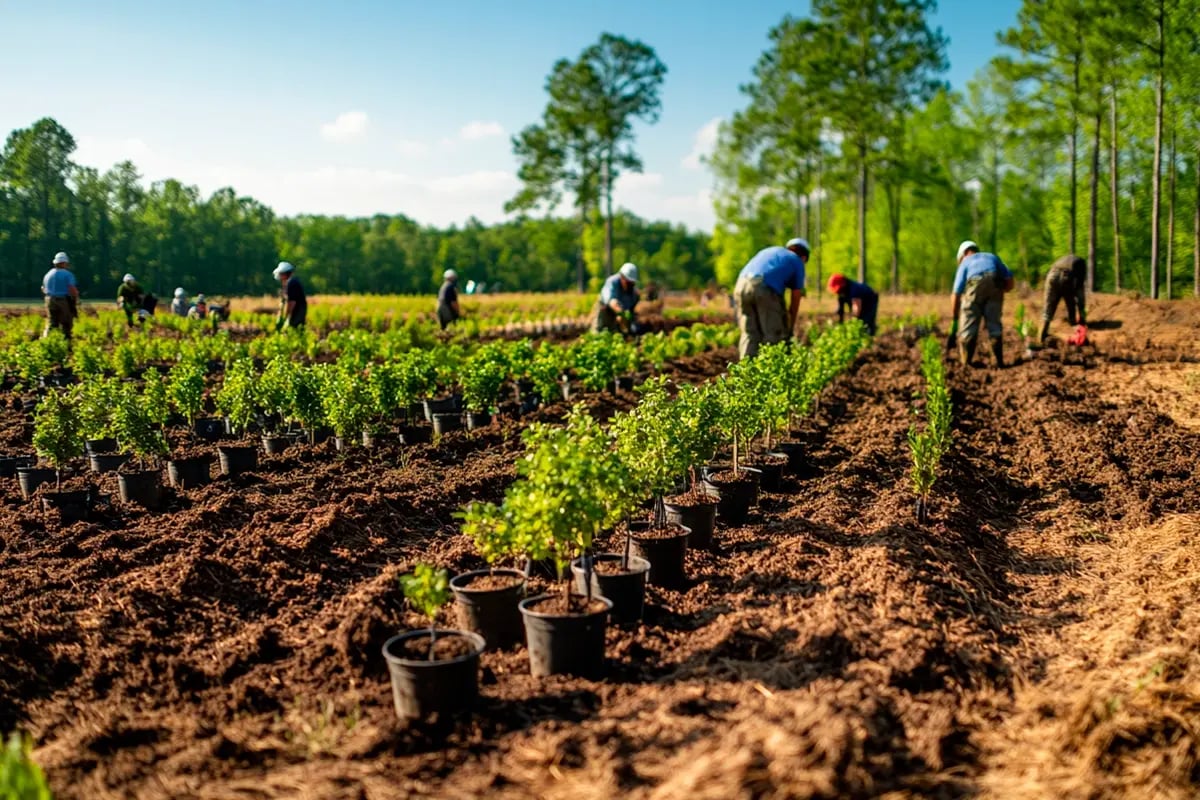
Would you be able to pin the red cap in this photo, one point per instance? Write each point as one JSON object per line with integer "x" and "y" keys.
{"x": 836, "y": 282}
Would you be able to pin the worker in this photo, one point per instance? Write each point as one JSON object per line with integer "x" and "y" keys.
{"x": 62, "y": 296}
{"x": 862, "y": 299}
{"x": 758, "y": 295}
{"x": 1065, "y": 281}
{"x": 129, "y": 300}
{"x": 180, "y": 305}
{"x": 200, "y": 309}
{"x": 614, "y": 309}
{"x": 979, "y": 287}
{"x": 293, "y": 303}
{"x": 448, "y": 309}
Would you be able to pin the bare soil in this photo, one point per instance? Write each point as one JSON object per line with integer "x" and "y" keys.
{"x": 1036, "y": 639}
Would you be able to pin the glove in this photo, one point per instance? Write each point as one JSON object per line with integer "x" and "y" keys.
{"x": 954, "y": 328}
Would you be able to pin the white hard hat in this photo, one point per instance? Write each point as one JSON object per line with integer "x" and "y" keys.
{"x": 200, "y": 298}
{"x": 283, "y": 268}
{"x": 965, "y": 246}
{"x": 61, "y": 258}
{"x": 179, "y": 292}
{"x": 629, "y": 271}
{"x": 449, "y": 275}
{"x": 798, "y": 242}
{"x": 128, "y": 278}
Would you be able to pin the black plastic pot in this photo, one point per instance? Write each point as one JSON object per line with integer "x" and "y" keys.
{"x": 565, "y": 644}
{"x": 422, "y": 689}
{"x": 736, "y": 498}
{"x": 380, "y": 439}
{"x": 770, "y": 467}
{"x": 107, "y": 462}
{"x": 492, "y": 613}
{"x": 189, "y": 473}
{"x": 414, "y": 434}
{"x": 699, "y": 519}
{"x": 626, "y": 589}
{"x": 444, "y": 423}
{"x": 210, "y": 428}
{"x": 275, "y": 444}
{"x": 478, "y": 419}
{"x": 623, "y": 383}
{"x": 30, "y": 478}
{"x": 9, "y": 464}
{"x": 667, "y": 555}
{"x": 795, "y": 454}
{"x": 141, "y": 488}
{"x": 237, "y": 458}
{"x": 446, "y": 405}
{"x": 71, "y": 506}
{"x": 105, "y": 445}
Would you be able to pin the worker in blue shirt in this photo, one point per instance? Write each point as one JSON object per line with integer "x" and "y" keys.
{"x": 862, "y": 299}
{"x": 618, "y": 298}
{"x": 758, "y": 295}
{"x": 979, "y": 287}
{"x": 62, "y": 296}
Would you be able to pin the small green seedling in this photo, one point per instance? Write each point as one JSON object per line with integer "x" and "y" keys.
{"x": 20, "y": 776}
{"x": 427, "y": 589}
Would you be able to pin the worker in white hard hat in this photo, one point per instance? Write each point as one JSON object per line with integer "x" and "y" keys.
{"x": 62, "y": 296}
{"x": 758, "y": 295}
{"x": 179, "y": 305}
{"x": 614, "y": 310}
{"x": 129, "y": 300}
{"x": 293, "y": 302}
{"x": 448, "y": 309}
{"x": 979, "y": 287}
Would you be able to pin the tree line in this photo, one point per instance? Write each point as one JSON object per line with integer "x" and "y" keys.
{"x": 1082, "y": 135}
{"x": 168, "y": 235}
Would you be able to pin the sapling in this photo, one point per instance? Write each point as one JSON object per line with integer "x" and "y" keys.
{"x": 275, "y": 387}
{"x": 930, "y": 445}
{"x": 237, "y": 397}
{"x": 135, "y": 427}
{"x": 546, "y": 371}
{"x": 20, "y": 776}
{"x": 185, "y": 387}
{"x": 56, "y": 432}
{"x": 481, "y": 377}
{"x": 93, "y": 401}
{"x": 345, "y": 402}
{"x": 306, "y": 407}
{"x": 427, "y": 589}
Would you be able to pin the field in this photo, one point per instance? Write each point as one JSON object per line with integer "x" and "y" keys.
{"x": 1036, "y": 638}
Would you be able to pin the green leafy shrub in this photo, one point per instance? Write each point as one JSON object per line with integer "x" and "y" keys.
{"x": 929, "y": 445}
{"x": 481, "y": 377}
{"x": 185, "y": 388}
{"x": 93, "y": 401}
{"x": 345, "y": 401}
{"x": 56, "y": 435}
{"x": 237, "y": 398}
{"x": 134, "y": 426}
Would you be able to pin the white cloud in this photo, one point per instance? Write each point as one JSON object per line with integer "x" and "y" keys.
{"x": 412, "y": 148}
{"x": 637, "y": 182}
{"x": 480, "y": 130}
{"x": 702, "y": 144}
{"x": 348, "y": 126}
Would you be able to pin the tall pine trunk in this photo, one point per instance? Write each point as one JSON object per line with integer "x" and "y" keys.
{"x": 1114, "y": 164}
{"x": 1093, "y": 199}
{"x": 1074, "y": 150}
{"x": 1171, "y": 211}
{"x": 862, "y": 213}
{"x": 1156, "y": 180}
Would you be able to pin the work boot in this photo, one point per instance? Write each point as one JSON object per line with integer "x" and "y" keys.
{"x": 998, "y": 352}
{"x": 966, "y": 351}
{"x": 1045, "y": 332}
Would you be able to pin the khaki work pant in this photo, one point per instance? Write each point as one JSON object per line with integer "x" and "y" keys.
{"x": 60, "y": 313}
{"x": 1061, "y": 286}
{"x": 761, "y": 315}
{"x": 604, "y": 319}
{"x": 982, "y": 299}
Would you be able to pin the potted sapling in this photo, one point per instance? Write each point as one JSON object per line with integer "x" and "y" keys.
{"x": 520, "y": 361}
{"x": 799, "y": 404}
{"x": 694, "y": 439}
{"x": 414, "y": 383}
{"x": 139, "y": 433}
{"x": 383, "y": 399}
{"x": 438, "y": 368}
{"x": 56, "y": 438}
{"x": 770, "y": 373}
{"x": 434, "y": 672}
{"x": 275, "y": 387}
{"x": 739, "y": 419}
{"x": 93, "y": 401}
{"x": 306, "y": 406}
{"x": 487, "y": 599}
{"x": 237, "y": 400}
{"x": 345, "y": 401}
{"x": 562, "y": 499}
{"x": 481, "y": 377}
{"x": 547, "y": 372}
{"x": 645, "y": 446}
{"x": 185, "y": 388}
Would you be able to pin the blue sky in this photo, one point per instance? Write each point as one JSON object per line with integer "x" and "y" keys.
{"x": 368, "y": 106}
